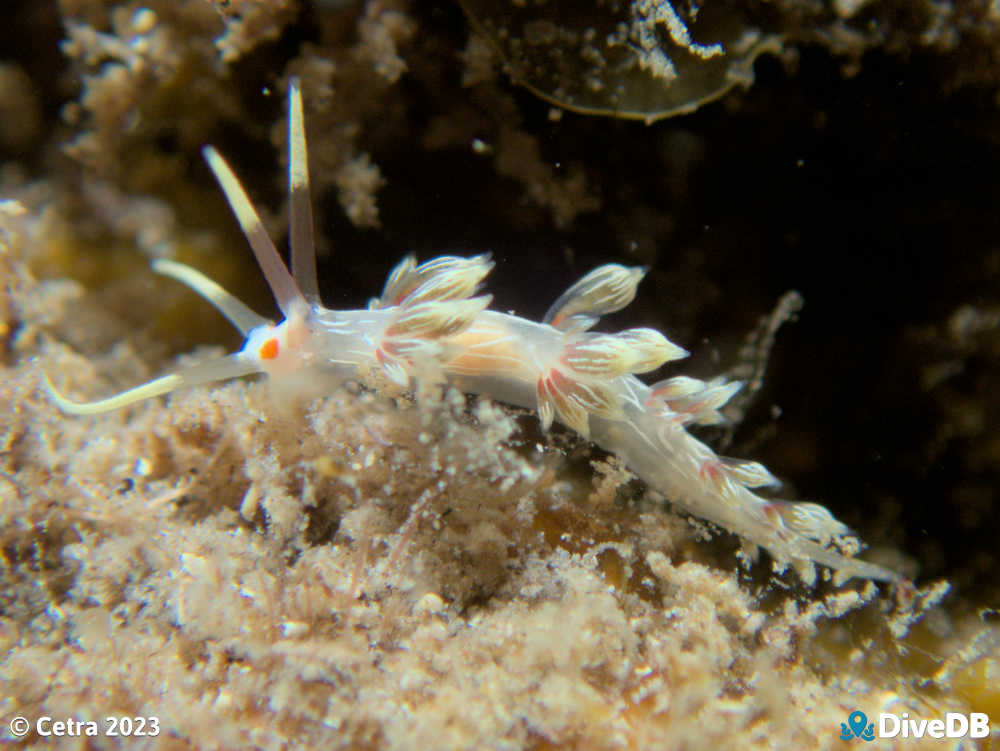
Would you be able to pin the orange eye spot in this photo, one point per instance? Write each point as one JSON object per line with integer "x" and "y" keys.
{"x": 268, "y": 350}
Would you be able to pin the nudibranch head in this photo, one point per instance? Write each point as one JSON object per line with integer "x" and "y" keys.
{"x": 280, "y": 349}
{"x": 275, "y": 349}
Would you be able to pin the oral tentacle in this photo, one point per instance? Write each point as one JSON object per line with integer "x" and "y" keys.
{"x": 224, "y": 368}
{"x": 234, "y": 309}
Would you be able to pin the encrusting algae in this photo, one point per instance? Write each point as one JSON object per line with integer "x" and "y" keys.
{"x": 363, "y": 572}
{"x": 368, "y": 570}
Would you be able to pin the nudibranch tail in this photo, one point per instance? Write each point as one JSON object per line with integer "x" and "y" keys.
{"x": 432, "y": 325}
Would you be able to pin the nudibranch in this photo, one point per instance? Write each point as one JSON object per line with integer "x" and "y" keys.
{"x": 430, "y": 324}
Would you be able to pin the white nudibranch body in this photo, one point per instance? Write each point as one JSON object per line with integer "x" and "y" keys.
{"x": 429, "y": 323}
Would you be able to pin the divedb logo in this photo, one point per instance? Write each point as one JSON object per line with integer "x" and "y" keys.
{"x": 954, "y": 725}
